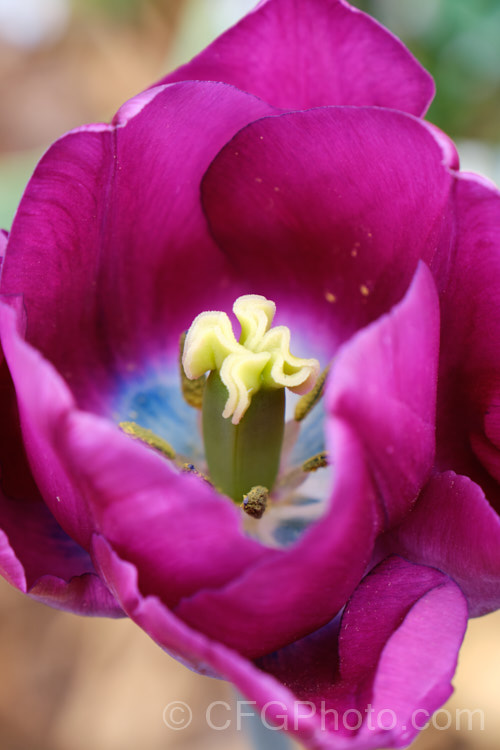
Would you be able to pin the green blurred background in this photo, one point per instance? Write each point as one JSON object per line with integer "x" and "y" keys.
{"x": 70, "y": 683}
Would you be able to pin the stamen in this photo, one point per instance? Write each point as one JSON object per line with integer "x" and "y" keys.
{"x": 319, "y": 461}
{"x": 255, "y": 502}
{"x": 192, "y": 390}
{"x": 307, "y": 402}
{"x": 148, "y": 437}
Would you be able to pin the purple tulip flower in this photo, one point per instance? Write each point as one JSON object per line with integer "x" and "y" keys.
{"x": 287, "y": 160}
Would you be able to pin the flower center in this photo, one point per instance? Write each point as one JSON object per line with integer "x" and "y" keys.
{"x": 243, "y": 398}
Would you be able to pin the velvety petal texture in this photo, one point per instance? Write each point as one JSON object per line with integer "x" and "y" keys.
{"x": 469, "y": 386}
{"x": 383, "y": 383}
{"x": 36, "y": 555}
{"x": 38, "y": 558}
{"x": 360, "y": 683}
{"x": 453, "y": 528}
{"x": 43, "y": 400}
{"x": 344, "y": 211}
{"x": 298, "y": 54}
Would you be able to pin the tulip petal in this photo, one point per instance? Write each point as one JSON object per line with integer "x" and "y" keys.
{"x": 383, "y": 383}
{"x": 298, "y": 54}
{"x": 469, "y": 386}
{"x": 44, "y": 401}
{"x": 39, "y": 559}
{"x": 3, "y": 244}
{"x": 344, "y": 212}
{"x": 453, "y": 528}
{"x": 36, "y": 556}
{"x": 398, "y": 647}
{"x": 387, "y": 666}
{"x": 131, "y": 261}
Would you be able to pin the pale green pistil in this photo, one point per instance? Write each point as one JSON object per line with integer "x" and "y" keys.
{"x": 243, "y": 399}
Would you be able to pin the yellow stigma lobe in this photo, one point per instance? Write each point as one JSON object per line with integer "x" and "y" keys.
{"x": 261, "y": 358}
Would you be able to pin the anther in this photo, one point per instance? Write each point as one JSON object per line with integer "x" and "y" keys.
{"x": 148, "y": 437}
{"x": 319, "y": 461}
{"x": 255, "y": 502}
{"x": 309, "y": 400}
{"x": 192, "y": 390}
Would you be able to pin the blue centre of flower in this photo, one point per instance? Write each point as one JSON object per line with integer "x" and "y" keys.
{"x": 155, "y": 402}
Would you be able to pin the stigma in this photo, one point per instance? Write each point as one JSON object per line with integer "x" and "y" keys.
{"x": 261, "y": 359}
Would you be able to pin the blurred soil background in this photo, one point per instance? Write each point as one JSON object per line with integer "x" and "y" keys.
{"x": 70, "y": 683}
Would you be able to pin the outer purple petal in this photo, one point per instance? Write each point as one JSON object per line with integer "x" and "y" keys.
{"x": 453, "y": 528}
{"x": 412, "y": 609}
{"x": 39, "y": 559}
{"x": 130, "y": 262}
{"x": 394, "y": 653}
{"x": 36, "y": 556}
{"x": 3, "y": 243}
{"x": 383, "y": 383}
{"x": 44, "y": 401}
{"x": 344, "y": 211}
{"x": 297, "y": 54}
{"x": 469, "y": 383}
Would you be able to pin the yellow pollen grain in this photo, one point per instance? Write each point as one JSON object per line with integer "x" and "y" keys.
{"x": 330, "y": 297}
{"x": 149, "y": 437}
{"x": 364, "y": 290}
{"x": 319, "y": 461}
{"x": 354, "y": 252}
{"x": 276, "y": 189}
{"x": 258, "y": 179}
